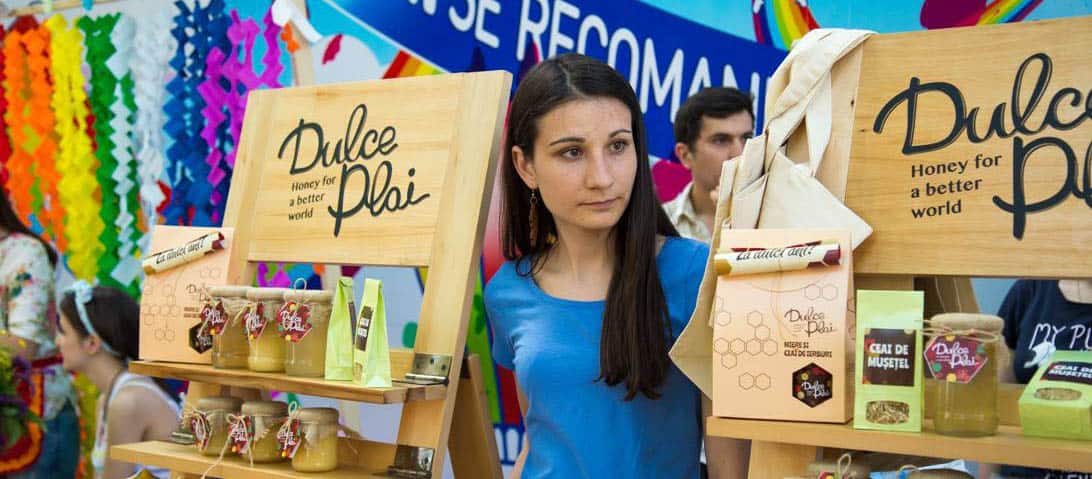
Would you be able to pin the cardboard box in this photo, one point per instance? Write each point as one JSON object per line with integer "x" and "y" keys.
{"x": 171, "y": 301}
{"x": 1058, "y": 400}
{"x": 781, "y": 341}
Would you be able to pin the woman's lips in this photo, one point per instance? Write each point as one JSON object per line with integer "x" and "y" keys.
{"x": 600, "y": 205}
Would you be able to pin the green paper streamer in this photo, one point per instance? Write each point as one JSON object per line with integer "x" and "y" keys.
{"x": 102, "y": 96}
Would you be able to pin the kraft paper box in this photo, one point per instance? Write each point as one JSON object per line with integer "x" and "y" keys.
{"x": 171, "y": 301}
{"x": 781, "y": 341}
{"x": 1058, "y": 400}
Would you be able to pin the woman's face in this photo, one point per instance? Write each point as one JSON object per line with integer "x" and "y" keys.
{"x": 583, "y": 164}
{"x": 73, "y": 348}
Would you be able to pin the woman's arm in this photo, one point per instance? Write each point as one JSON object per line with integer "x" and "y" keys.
{"x": 126, "y": 423}
{"x": 28, "y": 298}
{"x": 517, "y": 469}
{"x": 726, "y": 458}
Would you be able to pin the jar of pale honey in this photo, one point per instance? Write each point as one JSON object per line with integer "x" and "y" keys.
{"x": 962, "y": 357}
{"x": 266, "y": 346}
{"x": 305, "y": 319}
{"x": 229, "y": 345}
{"x": 317, "y": 451}
{"x": 265, "y": 418}
{"x": 209, "y": 423}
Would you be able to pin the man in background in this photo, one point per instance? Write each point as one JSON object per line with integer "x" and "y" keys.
{"x": 710, "y": 128}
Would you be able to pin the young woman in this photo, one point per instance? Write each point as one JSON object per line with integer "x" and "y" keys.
{"x": 97, "y": 337}
{"x": 597, "y": 287}
{"x": 26, "y": 330}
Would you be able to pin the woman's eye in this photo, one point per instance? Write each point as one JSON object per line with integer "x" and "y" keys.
{"x": 619, "y": 146}
{"x": 571, "y": 153}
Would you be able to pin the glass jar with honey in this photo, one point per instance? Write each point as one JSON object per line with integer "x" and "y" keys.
{"x": 209, "y": 423}
{"x": 265, "y": 418}
{"x": 304, "y": 321}
{"x": 317, "y": 451}
{"x": 229, "y": 345}
{"x": 962, "y": 357}
{"x": 266, "y": 346}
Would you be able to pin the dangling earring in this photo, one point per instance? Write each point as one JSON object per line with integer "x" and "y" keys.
{"x": 533, "y": 216}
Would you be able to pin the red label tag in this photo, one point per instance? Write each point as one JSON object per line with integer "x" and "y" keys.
{"x": 294, "y": 321}
{"x": 955, "y": 359}
{"x": 200, "y": 339}
{"x": 215, "y": 316}
{"x": 199, "y": 424}
{"x": 254, "y": 319}
{"x": 289, "y": 438}
{"x": 240, "y": 433}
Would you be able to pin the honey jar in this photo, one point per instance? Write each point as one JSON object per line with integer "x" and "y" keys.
{"x": 317, "y": 451}
{"x": 265, "y": 418}
{"x": 305, "y": 318}
{"x": 229, "y": 345}
{"x": 962, "y": 357}
{"x": 266, "y": 346}
{"x": 210, "y": 425}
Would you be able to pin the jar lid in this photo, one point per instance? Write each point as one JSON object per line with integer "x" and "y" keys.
{"x": 265, "y": 408}
{"x": 228, "y": 291}
{"x": 219, "y": 403}
{"x": 266, "y": 293}
{"x": 965, "y": 321}
{"x": 939, "y": 474}
{"x": 310, "y": 296}
{"x": 318, "y": 414}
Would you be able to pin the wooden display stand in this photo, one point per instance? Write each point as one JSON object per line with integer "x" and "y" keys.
{"x": 394, "y": 172}
{"x": 977, "y": 238}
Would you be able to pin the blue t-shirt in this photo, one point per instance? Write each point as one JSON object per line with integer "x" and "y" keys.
{"x": 1038, "y": 321}
{"x": 578, "y": 427}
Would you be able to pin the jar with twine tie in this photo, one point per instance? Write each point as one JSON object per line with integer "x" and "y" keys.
{"x": 229, "y": 344}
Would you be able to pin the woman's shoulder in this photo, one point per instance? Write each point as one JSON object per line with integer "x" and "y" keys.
{"x": 505, "y": 279}
{"x": 683, "y": 254}
{"x": 24, "y": 243}
{"x": 137, "y": 395}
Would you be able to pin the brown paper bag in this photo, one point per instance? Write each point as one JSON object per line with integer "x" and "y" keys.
{"x": 779, "y": 342}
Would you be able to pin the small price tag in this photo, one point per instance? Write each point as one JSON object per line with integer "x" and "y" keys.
{"x": 199, "y": 424}
{"x": 215, "y": 316}
{"x": 240, "y": 434}
{"x": 254, "y": 320}
{"x": 955, "y": 359}
{"x": 294, "y": 321}
{"x": 289, "y": 438}
{"x": 200, "y": 339}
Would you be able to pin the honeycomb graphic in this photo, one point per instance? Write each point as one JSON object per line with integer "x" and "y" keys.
{"x": 749, "y": 381}
{"x": 760, "y": 342}
{"x": 162, "y": 315}
{"x": 826, "y": 292}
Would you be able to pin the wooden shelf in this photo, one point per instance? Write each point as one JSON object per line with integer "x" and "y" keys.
{"x": 1008, "y": 446}
{"x": 186, "y": 459}
{"x": 278, "y": 381}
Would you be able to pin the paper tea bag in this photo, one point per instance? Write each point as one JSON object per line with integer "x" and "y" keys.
{"x": 371, "y": 355}
{"x": 339, "y": 336}
{"x": 889, "y": 374}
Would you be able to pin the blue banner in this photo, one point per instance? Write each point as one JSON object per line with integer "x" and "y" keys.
{"x": 665, "y": 57}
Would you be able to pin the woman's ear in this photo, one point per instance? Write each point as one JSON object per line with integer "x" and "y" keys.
{"x": 525, "y": 167}
{"x": 91, "y": 345}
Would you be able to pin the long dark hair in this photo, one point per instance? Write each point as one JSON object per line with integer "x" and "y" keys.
{"x": 633, "y": 347}
{"x": 116, "y": 319}
{"x": 11, "y": 222}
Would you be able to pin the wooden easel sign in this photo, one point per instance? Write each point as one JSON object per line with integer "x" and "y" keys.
{"x": 972, "y": 151}
{"x": 353, "y": 164}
